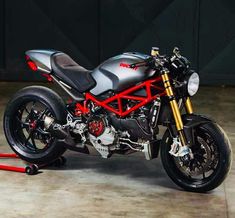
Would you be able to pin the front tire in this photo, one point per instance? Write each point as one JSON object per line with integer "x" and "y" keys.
{"x": 215, "y": 159}
{"x": 24, "y": 126}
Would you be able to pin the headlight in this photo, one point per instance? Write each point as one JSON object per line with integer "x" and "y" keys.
{"x": 193, "y": 84}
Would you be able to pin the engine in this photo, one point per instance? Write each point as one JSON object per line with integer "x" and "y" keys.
{"x": 109, "y": 134}
{"x": 102, "y": 135}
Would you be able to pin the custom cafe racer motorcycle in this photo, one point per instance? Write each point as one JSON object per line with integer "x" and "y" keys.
{"x": 117, "y": 108}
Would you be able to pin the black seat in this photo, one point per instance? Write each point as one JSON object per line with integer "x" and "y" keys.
{"x": 71, "y": 73}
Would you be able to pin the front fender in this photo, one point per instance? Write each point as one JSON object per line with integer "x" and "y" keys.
{"x": 190, "y": 122}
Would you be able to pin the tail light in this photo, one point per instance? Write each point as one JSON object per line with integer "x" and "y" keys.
{"x": 31, "y": 64}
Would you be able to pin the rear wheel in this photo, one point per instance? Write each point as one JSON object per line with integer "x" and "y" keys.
{"x": 24, "y": 124}
{"x": 210, "y": 164}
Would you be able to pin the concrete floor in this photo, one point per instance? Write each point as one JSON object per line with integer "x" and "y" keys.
{"x": 121, "y": 186}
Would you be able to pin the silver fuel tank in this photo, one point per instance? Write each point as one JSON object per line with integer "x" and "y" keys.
{"x": 116, "y": 75}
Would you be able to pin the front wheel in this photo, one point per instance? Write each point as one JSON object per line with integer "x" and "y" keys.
{"x": 211, "y": 160}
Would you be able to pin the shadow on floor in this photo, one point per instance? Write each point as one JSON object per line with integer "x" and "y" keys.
{"x": 132, "y": 167}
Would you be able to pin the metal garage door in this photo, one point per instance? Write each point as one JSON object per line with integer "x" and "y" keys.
{"x": 93, "y": 30}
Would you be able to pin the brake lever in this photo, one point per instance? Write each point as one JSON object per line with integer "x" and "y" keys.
{"x": 176, "y": 52}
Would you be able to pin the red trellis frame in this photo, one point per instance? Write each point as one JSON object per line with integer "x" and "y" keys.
{"x": 127, "y": 94}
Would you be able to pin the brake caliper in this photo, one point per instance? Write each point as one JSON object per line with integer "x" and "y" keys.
{"x": 178, "y": 150}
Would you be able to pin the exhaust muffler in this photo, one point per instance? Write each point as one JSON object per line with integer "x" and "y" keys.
{"x": 57, "y": 130}
{"x": 61, "y": 132}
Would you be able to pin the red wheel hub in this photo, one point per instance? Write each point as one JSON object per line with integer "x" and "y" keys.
{"x": 32, "y": 124}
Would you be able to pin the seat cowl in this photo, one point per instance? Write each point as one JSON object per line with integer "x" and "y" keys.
{"x": 42, "y": 51}
{"x": 42, "y": 58}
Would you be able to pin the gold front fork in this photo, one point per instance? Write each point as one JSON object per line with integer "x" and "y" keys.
{"x": 188, "y": 105}
{"x": 174, "y": 105}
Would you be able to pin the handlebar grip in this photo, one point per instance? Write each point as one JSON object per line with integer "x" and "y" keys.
{"x": 132, "y": 65}
{"x": 139, "y": 64}
{"x": 146, "y": 62}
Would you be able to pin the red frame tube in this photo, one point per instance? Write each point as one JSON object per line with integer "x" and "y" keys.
{"x": 126, "y": 94}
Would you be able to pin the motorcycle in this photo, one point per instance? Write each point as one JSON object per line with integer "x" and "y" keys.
{"x": 117, "y": 108}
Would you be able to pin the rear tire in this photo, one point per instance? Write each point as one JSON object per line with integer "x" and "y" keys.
{"x": 218, "y": 172}
{"x": 15, "y": 135}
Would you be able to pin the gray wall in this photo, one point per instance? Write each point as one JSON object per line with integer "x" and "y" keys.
{"x": 93, "y": 30}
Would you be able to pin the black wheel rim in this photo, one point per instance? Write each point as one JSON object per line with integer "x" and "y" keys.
{"x": 28, "y": 128}
{"x": 205, "y": 163}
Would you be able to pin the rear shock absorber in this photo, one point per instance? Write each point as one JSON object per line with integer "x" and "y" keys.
{"x": 155, "y": 113}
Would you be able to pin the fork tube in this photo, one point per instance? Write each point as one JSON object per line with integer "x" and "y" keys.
{"x": 173, "y": 104}
{"x": 188, "y": 105}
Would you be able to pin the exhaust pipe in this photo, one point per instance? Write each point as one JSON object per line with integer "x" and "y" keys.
{"x": 56, "y": 130}
{"x": 62, "y": 133}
